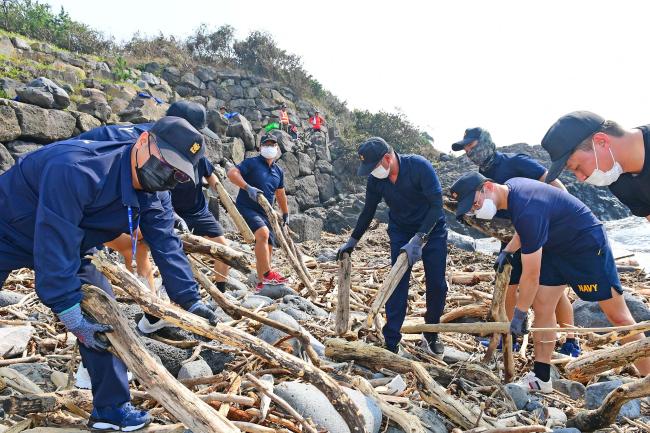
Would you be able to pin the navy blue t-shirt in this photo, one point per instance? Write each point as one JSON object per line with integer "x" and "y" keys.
{"x": 258, "y": 173}
{"x": 545, "y": 216}
{"x": 187, "y": 198}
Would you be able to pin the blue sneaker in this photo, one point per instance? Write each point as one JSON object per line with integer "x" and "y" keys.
{"x": 485, "y": 342}
{"x": 570, "y": 348}
{"x": 124, "y": 417}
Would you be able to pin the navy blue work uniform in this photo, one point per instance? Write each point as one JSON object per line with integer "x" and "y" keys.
{"x": 267, "y": 178}
{"x": 62, "y": 201}
{"x": 575, "y": 248}
{"x": 504, "y": 167}
{"x": 187, "y": 199}
{"x": 415, "y": 202}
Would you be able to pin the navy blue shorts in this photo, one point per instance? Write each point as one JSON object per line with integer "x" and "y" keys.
{"x": 203, "y": 223}
{"x": 592, "y": 275}
{"x": 515, "y": 275}
{"x": 256, "y": 220}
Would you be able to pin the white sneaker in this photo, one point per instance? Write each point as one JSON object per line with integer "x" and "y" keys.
{"x": 82, "y": 378}
{"x": 147, "y": 327}
{"x": 532, "y": 383}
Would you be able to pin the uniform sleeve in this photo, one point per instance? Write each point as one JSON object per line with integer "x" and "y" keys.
{"x": 281, "y": 184}
{"x": 206, "y": 168}
{"x": 533, "y": 231}
{"x": 157, "y": 226}
{"x": 65, "y": 191}
{"x": 626, "y": 196}
{"x": 112, "y": 133}
{"x": 528, "y": 167}
{"x": 245, "y": 166}
{"x": 429, "y": 184}
{"x": 373, "y": 197}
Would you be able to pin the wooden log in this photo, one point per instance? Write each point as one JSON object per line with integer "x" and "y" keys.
{"x": 279, "y": 235}
{"x": 471, "y": 278}
{"x": 229, "y": 205}
{"x": 388, "y": 287}
{"x": 235, "y": 337}
{"x": 472, "y": 310}
{"x": 641, "y": 326}
{"x": 174, "y": 397}
{"x": 231, "y": 257}
{"x": 430, "y": 391}
{"x": 409, "y": 423}
{"x": 605, "y": 415}
{"x": 344, "y": 286}
{"x": 44, "y": 403}
{"x": 499, "y": 228}
{"x": 584, "y": 368}
{"x": 481, "y": 328}
{"x": 25, "y": 360}
{"x": 19, "y": 381}
{"x": 295, "y": 249}
{"x": 516, "y": 429}
{"x": 498, "y": 313}
{"x": 20, "y": 426}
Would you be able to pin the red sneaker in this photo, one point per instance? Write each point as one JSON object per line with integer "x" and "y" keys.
{"x": 274, "y": 278}
{"x": 259, "y": 287}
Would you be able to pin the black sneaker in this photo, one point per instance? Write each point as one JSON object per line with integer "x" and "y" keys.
{"x": 397, "y": 349}
{"x": 432, "y": 345}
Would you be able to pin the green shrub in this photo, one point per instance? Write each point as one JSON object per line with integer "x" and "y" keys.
{"x": 121, "y": 70}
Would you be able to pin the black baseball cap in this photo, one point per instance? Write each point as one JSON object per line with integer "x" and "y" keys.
{"x": 371, "y": 152}
{"x": 180, "y": 144}
{"x": 193, "y": 113}
{"x": 471, "y": 134}
{"x": 268, "y": 137}
{"x": 565, "y": 135}
{"x": 464, "y": 190}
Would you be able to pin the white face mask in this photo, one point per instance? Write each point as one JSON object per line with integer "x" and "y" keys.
{"x": 604, "y": 178}
{"x": 269, "y": 152}
{"x": 380, "y": 172}
{"x": 487, "y": 210}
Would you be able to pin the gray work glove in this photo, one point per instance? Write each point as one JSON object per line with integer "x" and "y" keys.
{"x": 180, "y": 224}
{"x": 348, "y": 247}
{"x": 84, "y": 329}
{"x": 204, "y": 310}
{"x": 253, "y": 192}
{"x": 519, "y": 324}
{"x": 414, "y": 248}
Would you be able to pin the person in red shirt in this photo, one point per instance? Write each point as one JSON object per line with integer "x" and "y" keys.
{"x": 316, "y": 121}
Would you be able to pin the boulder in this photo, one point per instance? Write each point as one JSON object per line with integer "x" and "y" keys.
{"x": 116, "y": 91}
{"x": 294, "y": 208}
{"x": 213, "y": 149}
{"x": 242, "y": 104}
{"x": 170, "y": 357}
{"x": 256, "y": 301}
{"x": 44, "y": 93}
{"x": 289, "y": 164}
{"x": 252, "y": 92}
{"x": 276, "y": 291}
{"x": 143, "y": 110}
{"x": 463, "y": 242}
{"x": 206, "y": 73}
{"x": 150, "y": 78}
{"x": 9, "y": 86}
{"x": 38, "y": 372}
{"x": 326, "y": 189}
{"x": 324, "y": 166}
{"x": 573, "y": 389}
{"x": 589, "y": 314}
{"x": 215, "y": 359}
{"x": 305, "y": 164}
{"x": 19, "y": 148}
{"x": 307, "y": 192}
{"x": 171, "y": 74}
{"x": 192, "y": 81}
{"x": 86, "y": 122}
{"x": 194, "y": 370}
{"x": 306, "y": 228}
{"x": 96, "y": 108}
{"x": 310, "y": 402}
{"x": 596, "y": 393}
{"x": 305, "y": 305}
{"x": 7, "y": 49}
{"x": 233, "y": 149}
{"x": 43, "y": 126}
{"x": 14, "y": 339}
{"x": 240, "y": 127}
{"x": 9, "y": 127}
{"x": 217, "y": 122}
{"x": 321, "y": 147}
{"x": 20, "y": 43}
{"x": 518, "y": 394}
{"x": 284, "y": 140}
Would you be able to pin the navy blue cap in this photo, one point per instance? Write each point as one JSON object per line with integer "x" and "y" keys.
{"x": 464, "y": 191}
{"x": 180, "y": 144}
{"x": 371, "y": 152}
{"x": 471, "y": 134}
{"x": 268, "y": 137}
{"x": 565, "y": 135}
{"x": 193, "y": 113}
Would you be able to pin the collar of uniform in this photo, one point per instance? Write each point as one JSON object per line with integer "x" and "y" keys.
{"x": 129, "y": 197}
{"x": 266, "y": 164}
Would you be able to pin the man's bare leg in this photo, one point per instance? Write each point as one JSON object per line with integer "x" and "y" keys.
{"x": 262, "y": 252}
{"x": 544, "y": 307}
{"x": 564, "y": 313}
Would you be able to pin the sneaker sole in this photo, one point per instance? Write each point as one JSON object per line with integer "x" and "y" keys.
{"x": 105, "y": 426}
{"x": 146, "y": 328}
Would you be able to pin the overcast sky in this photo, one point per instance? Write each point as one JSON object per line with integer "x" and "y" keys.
{"x": 512, "y": 67}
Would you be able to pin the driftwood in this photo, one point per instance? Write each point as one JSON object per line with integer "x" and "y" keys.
{"x": 300, "y": 269}
{"x": 472, "y": 310}
{"x": 471, "y": 278}
{"x": 43, "y": 403}
{"x": 499, "y": 228}
{"x": 606, "y": 414}
{"x": 587, "y": 366}
{"x": 518, "y": 429}
{"x": 388, "y": 287}
{"x": 229, "y": 205}
{"x": 481, "y": 328}
{"x": 174, "y": 397}
{"x": 237, "y": 338}
{"x": 343, "y": 305}
{"x": 498, "y": 313}
{"x": 431, "y": 392}
{"x": 231, "y": 257}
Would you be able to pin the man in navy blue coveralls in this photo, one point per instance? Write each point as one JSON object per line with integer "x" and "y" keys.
{"x": 411, "y": 189}
{"x": 65, "y": 199}
{"x": 500, "y": 167}
{"x": 561, "y": 243}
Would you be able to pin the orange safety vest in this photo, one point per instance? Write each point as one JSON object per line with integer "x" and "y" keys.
{"x": 315, "y": 121}
{"x": 284, "y": 117}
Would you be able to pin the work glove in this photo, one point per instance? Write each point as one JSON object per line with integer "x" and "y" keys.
{"x": 84, "y": 329}
{"x": 414, "y": 248}
{"x": 285, "y": 219}
{"x": 204, "y": 310}
{"x": 180, "y": 224}
{"x": 348, "y": 247}
{"x": 252, "y": 192}
{"x": 503, "y": 258}
{"x": 519, "y": 324}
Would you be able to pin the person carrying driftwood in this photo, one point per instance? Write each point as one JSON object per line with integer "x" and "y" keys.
{"x": 65, "y": 199}
{"x": 410, "y": 187}
{"x": 261, "y": 175}
{"x": 561, "y": 243}
{"x": 500, "y": 167}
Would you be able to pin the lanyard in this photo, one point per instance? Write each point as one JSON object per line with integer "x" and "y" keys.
{"x": 134, "y": 236}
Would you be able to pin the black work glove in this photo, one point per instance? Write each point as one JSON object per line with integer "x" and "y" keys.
{"x": 503, "y": 258}
{"x": 204, "y": 310}
{"x": 285, "y": 219}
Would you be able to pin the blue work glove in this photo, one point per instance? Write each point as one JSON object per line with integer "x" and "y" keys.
{"x": 519, "y": 324}
{"x": 84, "y": 329}
{"x": 285, "y": 218}
{"x": 252, "y": 192}
{"x": 414, "y": 248}
{"x": 503, "y": 258}
{"x": 204, "y": 310}
{"x": 347, "y": 247}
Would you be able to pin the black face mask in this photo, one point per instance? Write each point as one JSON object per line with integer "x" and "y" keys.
{"x": 154, "y": 175}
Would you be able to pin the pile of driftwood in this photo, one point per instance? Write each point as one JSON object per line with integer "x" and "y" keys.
{"x": 469, "y": 395}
